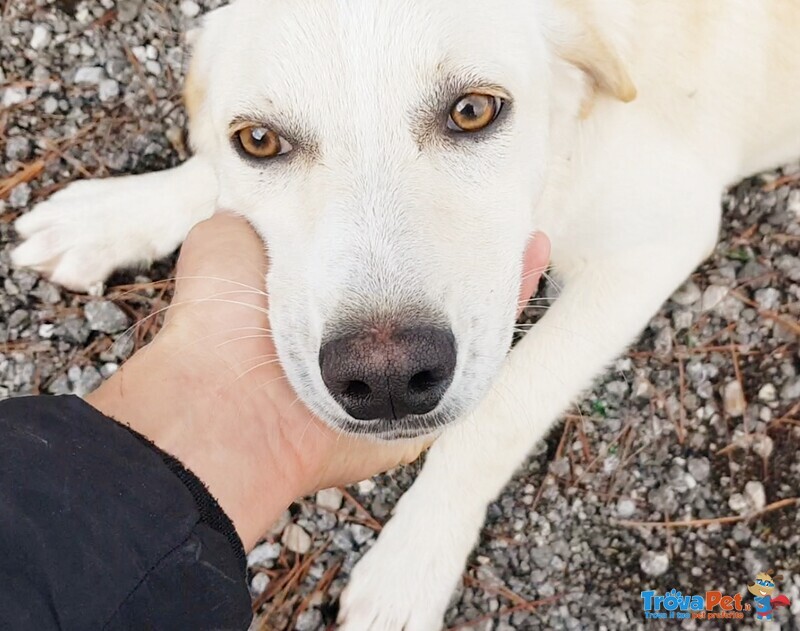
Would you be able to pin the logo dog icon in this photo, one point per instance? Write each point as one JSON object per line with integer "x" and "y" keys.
{"x": 762, "y": 591}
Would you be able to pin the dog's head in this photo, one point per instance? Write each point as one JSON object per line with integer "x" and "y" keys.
{"x": 391, "y": 155}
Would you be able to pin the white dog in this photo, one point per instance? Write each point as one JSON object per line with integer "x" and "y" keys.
{"x": 396, "y": 156}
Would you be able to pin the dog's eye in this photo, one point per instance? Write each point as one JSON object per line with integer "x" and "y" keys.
{"x": 473, "y": 112}
{"x": 262, "y": 143}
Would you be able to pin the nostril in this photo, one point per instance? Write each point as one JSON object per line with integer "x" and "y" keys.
{"x": 422, "y": 382}
{"x": 357, "y": 390}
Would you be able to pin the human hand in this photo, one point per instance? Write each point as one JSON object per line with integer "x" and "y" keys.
{"x": 210, "y": 391}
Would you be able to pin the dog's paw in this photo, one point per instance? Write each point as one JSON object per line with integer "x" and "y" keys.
{"x": 83, "y": 233}
{"x": 68, "y": 237}
{"x": 404, "y": 583}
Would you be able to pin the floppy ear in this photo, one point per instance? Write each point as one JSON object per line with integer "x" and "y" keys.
{"x": 579, "y": 41}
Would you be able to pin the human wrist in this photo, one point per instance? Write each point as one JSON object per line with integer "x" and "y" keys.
{"x": 197, "y": 416}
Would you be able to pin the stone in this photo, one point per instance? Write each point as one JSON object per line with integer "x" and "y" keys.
{"x": 50, "y": 105}
{"x": 687, "y": 295}
{"x": 153, "y": 67}
{"x": 365, "y": 487}
{"x": 733, "y": 399}
{"x": 108, "y": 369}
{"x": 791, "y": 390}
{"x": 330, "y": 499}
{"x": 105, "y": 316}
{"x": 264, "y": 554}
{"x": 14, "y": 96}
{"x": 625, "y": 508}
{"x": 309, "y": 620}
{"x": 89, "y": 381}
{"x": 18, "y": 148}
{"x": 793, "y": 203}
{"x": 91, "y": 75}
{"x": 762, "y": 445}
{"x": 738, "y": 502}
{"x": 699, "y": 468}
{"x": 190, "y": 9}
{"x": 768, "y": 298}
{"x": 712, "y": 296}
{"x": 654, "y": 563}
{"x": 259, "y": 584}
{"x": 108, "y": 90}
{"x": 361, "y": 534}
{"x": 128, "y": 10}
{"x": 41, "y": 37}
{"x": 755, "y": 494}
{"x": 767, "y": 393}
{"x": 296, "y": 539}
{"x": 20, "y": 195}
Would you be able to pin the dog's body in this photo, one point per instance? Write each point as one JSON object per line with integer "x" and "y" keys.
{"x": 627, "y": 191}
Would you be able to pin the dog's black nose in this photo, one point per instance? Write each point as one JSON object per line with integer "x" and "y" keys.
{"x": 389, "y": 374}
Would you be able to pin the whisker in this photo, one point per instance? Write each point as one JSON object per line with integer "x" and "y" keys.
{"x": 549, "y": 278}
{"x": 535, "y": 271}
{"x": 267, "y": 336}
{"x": 256, "y": 367}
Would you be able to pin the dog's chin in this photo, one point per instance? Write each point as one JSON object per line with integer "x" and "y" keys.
{"x": 389, "y": 429}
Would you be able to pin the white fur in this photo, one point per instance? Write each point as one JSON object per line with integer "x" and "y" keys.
{"x": 368, "y": 217}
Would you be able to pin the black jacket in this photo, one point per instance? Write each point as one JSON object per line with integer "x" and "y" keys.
{"x": 99, "y": 529}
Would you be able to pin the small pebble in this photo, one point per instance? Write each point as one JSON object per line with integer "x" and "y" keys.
{"x": 14, "y": 96}
{"x": 699, "y": 468}
{"x": 20, "y": 195}
{"x": 108, "y": 90}
{"x": 687, "y": 295}
{"x": 625, "y": 508}
{"x": 259, "y": 583}
{"x": 296, "y": 539}
{"x": 767, "y": 393}
{"x": 712, "y": 296}
{"x": 738, "y": 502}
{"x": 264, "y": 554}
{"x": 733, "y": 399}
{"x": 330, "y": 499}
{"x": 105, "y": 316}
{"x": 190, "y": 9}
{"x": 755, "y": 494}
{"x": 41, "y": 37}
{"x": 91, "y": 75}
{"x": 654, "y": 563}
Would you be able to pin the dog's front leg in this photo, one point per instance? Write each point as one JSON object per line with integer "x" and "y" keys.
{"x": 93, "y": 227}
{"x": 405, "y": 581}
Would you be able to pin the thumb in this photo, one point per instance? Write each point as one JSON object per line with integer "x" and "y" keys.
{"x": 221, "y": 256}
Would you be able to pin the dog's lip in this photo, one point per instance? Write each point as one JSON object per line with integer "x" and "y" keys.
{"x": 390, "y": 429}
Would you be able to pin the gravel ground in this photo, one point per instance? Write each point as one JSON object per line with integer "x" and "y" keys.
{"x": 699, "y": 422}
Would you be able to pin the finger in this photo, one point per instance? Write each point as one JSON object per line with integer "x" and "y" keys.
{"x": 534, "y": 263}
{"x": 219, "y": 254}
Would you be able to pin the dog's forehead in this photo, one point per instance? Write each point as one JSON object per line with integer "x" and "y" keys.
{"x": 392, "y": 50}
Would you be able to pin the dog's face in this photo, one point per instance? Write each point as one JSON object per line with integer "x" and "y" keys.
{"x": 390, "y": 154}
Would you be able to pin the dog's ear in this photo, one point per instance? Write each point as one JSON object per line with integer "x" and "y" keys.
{"x": 578, "y": 40}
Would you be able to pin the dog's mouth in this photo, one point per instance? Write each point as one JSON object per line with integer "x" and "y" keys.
{"x": 402, "y": 429}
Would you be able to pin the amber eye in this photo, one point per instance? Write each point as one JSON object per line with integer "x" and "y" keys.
{"x": 260, "y": 142}
{"x": 473, "y": 112}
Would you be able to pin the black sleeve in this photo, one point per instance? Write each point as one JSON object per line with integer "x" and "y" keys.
{"x": 99, "y": 529}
